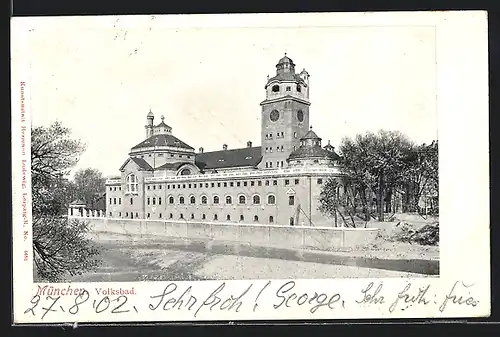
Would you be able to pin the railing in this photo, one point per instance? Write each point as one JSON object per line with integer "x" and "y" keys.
{"x": 247, "y": 174}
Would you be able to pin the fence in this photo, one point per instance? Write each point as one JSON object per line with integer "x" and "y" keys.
{"x": 297, "y": 237}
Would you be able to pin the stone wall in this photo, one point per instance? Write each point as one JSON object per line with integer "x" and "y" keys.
{"x": 294, "y": 237}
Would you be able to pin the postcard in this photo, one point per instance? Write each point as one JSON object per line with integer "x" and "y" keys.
{"x": 240, "y": 167}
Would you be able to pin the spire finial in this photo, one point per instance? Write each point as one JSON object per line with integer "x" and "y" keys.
{"x": 328, "y": 141}
{"x": 311, "y": 127}
{"x": 162, "y": 118}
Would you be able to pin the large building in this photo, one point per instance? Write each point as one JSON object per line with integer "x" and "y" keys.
{"x": 278, "y": 182}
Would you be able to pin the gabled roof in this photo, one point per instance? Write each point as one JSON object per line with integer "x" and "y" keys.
{"x": 143, "y": 165}
{"x": 247, "y": 156}
{"x": 163, "y": 140}
{"x": 78, "y": 202}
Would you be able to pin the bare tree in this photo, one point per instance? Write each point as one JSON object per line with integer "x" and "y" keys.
{"x": 60, "y": 247}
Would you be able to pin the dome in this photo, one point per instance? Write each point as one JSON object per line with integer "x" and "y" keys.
{"x": 150, "y": 114}
{"x": 310, "y": 135}
{"x": 285, "y": 60}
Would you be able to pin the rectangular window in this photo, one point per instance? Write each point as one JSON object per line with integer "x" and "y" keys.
{"x": 183, "y": 185}
{"x": 148, "y": 187}
{"x": 194, "y": 185}
{"x": 267, "y": 164}
{"x": 320, "y": 181}
{"x": 148, "y": 201}
{"x": 275, "y": 182}
{"x": 213, "y": 185}
{"x": 282, "y": 161}
{"x": 206, "y": 185}
{"x": 131, "y": 201}
{"x": 173, "y": 187}
{"x": 252, "y": 183}
{"x": 154, "y": 201}
{"x": 270, "y": 164}
{"x": 110, "y": 201}
{"x": 178, "y": 185}
{"x": 189, "y": 185}
{"x": 168, "y": 187}
{"x": 114, "y": 201}
{"x": 154, "y": 187}
{"x": 244, "y": 183}
{"x": 277, "y": 164}
{"x": 287, "y": 182}
{"x": 296, "y": 181}
{"x": 291, "y": 200}
{"x": 159, "y": 187}
{"x": 238, "y": 184}
{"x": 225, "y": 184}
{"x": 231, "y": 184}
{"x": 159, "y": 201}
{"x": 267, "y": 182}
{"x": 218, "y": 184}
{"x": 259, "y": 183}
{"x": 119, "y": 201}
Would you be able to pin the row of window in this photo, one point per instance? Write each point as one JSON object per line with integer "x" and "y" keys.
{"x": 192, "y": 216}
{"x": 279, "y": 135}
{"x": 133, "y": 185}
{"x": 269, "y": 164}
{"x": 276, "y": 88}
{"x": 286, "y": 182}
{"x": 278, "y": 149}
{"x": 166, "y": 154}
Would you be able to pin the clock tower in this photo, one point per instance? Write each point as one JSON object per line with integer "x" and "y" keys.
{"x": 285, "y": 114}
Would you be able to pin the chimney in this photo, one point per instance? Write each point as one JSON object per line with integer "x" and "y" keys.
{"x": 249, "y": 144}
{"x": 224, "y": 146}
{"x": 200, "y": 150}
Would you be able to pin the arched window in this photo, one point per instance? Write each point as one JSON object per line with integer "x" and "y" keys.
{"x": 255, "y": 218}
{"x": 291, "y": 222}
{"x": 228, "y": 217}
{"x": 271, "y": 199}
{"x": 192, "y": 199}
{"x": 170, "y": 200}
{"x": 203, "y": 216}
{"x": 204, "y": 199}
{"x": 242, "y": 217}
{"x": 229, "y": 200}
{"x": 132, "y": 183}
{"x": 216, "y": 199}
{"x": 181, "y": 200}
{"x": 181, "y": 216}
{"x": 170, "y": 216}
{"x": 242, "y": 199}
{"x": 276, "y": 88}
{"x": 256, "y": 199}
{"x": 271, "y": 219}
{"x": 215, "y": 217}
{"x": 185, "y": 172}
{"x": 192, "y": 216}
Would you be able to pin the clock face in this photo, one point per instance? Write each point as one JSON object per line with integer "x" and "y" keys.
{"x": 274, "y": 116}
{"x": 300, "y": 116}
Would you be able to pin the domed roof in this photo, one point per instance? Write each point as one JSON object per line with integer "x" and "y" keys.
{"x": 285, "y": 59}
{"x": 310, "y": 135}
{"x": 150, "y": 113}
{"x": 309, "y": 152}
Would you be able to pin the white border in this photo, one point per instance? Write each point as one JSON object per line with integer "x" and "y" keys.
{"x": 462, "y": 105}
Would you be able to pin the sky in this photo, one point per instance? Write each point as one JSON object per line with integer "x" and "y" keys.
{"x": 100, "y": 77}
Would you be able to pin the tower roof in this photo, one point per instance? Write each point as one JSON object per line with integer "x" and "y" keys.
{"x": 285, "y": 59}
{"x": 310, "y": 135}
{"x": 150, "y": 114}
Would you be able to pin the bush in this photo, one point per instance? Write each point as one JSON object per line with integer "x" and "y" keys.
{"x": 427, "y": 235}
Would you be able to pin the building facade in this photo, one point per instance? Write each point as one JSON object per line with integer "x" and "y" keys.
{"x": 278, "y": 182}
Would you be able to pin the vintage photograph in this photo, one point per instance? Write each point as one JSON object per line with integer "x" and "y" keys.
{"x": 267, "y": 166}
{"x": 235, "y": 154}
